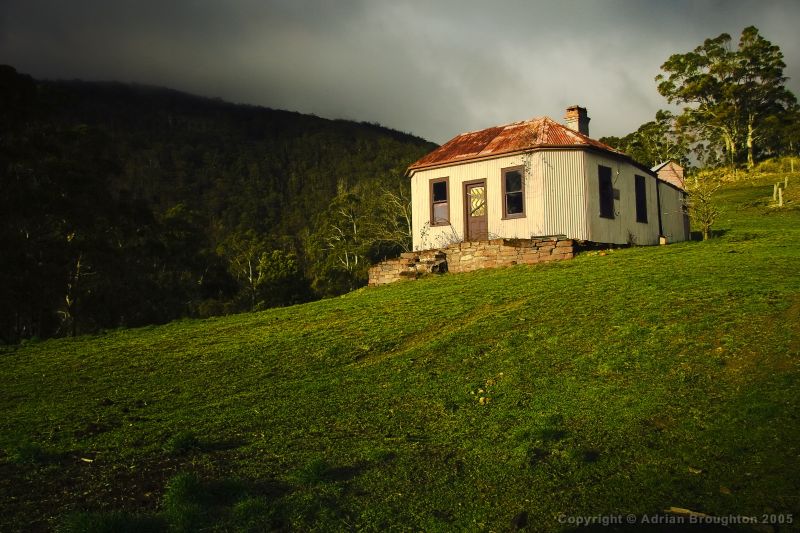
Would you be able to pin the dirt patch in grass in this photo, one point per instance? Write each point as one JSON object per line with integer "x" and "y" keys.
{"x": 776, "y": 346}
{"x": 38, "y": 494}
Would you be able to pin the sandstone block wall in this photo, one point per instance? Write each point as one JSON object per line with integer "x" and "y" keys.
{"x": 469, "y": 256}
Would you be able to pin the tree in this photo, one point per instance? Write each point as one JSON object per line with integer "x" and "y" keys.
{"x": 361, "y": 226}
{"x": 702, "y": 208}
{"x": 704, "y": 80}
{"x": 764, "y": 95}
{"x": 654, "y": 142}
{"x": 280, "y": 280}
{"x": 781, "y": 137}
{"x": 268, "y": 276}
{"x": 341, "y": 243}
{"x": 191, "y": 278}
{"x": 244, "y": 251}
{"x": 730, "y": 95}
{"x": 393, "y": 218}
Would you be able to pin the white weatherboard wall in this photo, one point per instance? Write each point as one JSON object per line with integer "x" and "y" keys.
{"x": 623, "y": 228}
{"x": 427, "y": 237}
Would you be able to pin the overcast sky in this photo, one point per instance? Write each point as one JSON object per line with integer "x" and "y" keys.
{"x": 432, "y": 68}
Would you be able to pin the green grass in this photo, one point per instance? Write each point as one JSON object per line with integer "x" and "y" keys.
{"x": 626, "y": 383}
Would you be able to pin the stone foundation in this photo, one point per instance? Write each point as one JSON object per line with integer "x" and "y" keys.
{"x": 410, "y": 265}
{"x": 469, "y": 256}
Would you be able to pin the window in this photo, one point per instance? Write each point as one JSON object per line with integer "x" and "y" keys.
{"x": 641, "y": 200}
{"x": 440, "y": 206}
{"x": 513, "y": 192}
{"x": 606, "y": 192}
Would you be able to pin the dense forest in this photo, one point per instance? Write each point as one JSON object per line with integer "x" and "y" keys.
{"x": 126, "y": 205}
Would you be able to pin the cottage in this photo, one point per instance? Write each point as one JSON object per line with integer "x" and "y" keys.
{"x": 540, "y": 178}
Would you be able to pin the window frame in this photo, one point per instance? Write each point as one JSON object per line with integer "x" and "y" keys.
{"x": 640, "y": 185}
{"x": 504, "y": 192}
{"x": 606, "y": 201}
{"x": 446, "y": 181}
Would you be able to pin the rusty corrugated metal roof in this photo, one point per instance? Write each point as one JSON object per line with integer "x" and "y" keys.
{"x": 542, "y": 132}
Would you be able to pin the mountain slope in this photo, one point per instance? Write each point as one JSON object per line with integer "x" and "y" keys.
{"x": 128, "y": 205}
{"x": 610, "y": 384}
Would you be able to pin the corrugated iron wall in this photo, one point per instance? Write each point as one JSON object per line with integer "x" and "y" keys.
{"x": 672, "y": 213}
{"x": 623, "y": 228}
{"x": 563, "y": 193}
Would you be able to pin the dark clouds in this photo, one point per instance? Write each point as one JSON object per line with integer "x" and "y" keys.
{"x": 431, "y": 68}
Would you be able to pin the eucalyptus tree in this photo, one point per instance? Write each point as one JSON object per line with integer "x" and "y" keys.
{"x": 731, "y": 96}
{"x": 654, "y": 142}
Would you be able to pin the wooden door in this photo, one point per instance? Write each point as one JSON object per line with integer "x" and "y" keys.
{"x": 476, "y": 218}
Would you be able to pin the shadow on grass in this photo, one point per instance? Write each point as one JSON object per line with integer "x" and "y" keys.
{"x": 319, "y": 471}
{"x": 112, "y": 522}
{"x": 222, "y": 445}
{"x": 345, "y": 473}
{"x": 28, "y": 453}
{"x": 190, "y": 503}
{"x": 187, "y": 442}
{"x": 715, "y": 234}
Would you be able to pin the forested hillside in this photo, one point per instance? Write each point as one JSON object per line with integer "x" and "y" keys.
{"x": 125, "y": 205}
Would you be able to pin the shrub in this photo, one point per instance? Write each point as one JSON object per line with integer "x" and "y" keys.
{"x": 28, "y": 453}
{"x": 703, "y": 211}
{"x": 254, "y": 514}
{"x": 182, "y": 443}
{"x": 314, "y": 472}
{"x": 183, "y": 502}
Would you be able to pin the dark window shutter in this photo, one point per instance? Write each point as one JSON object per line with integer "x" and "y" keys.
{"x": 606, "y": 192}
{"x": 641, "y": 199}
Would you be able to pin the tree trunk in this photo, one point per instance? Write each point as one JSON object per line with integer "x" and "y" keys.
{"x": 730, "y": 147}
{"x": 750, "y": 131}
{"x": 252, "y": 283}
{"x": 71, "y": 296}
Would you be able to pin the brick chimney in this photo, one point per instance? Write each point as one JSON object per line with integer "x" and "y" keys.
{"x": 577, "y": 119}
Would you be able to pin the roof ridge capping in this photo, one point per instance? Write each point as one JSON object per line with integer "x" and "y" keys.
{"x": 503, "y": 126}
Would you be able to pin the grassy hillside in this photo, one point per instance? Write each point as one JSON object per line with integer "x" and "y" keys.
{"x": 621, "y": 383}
